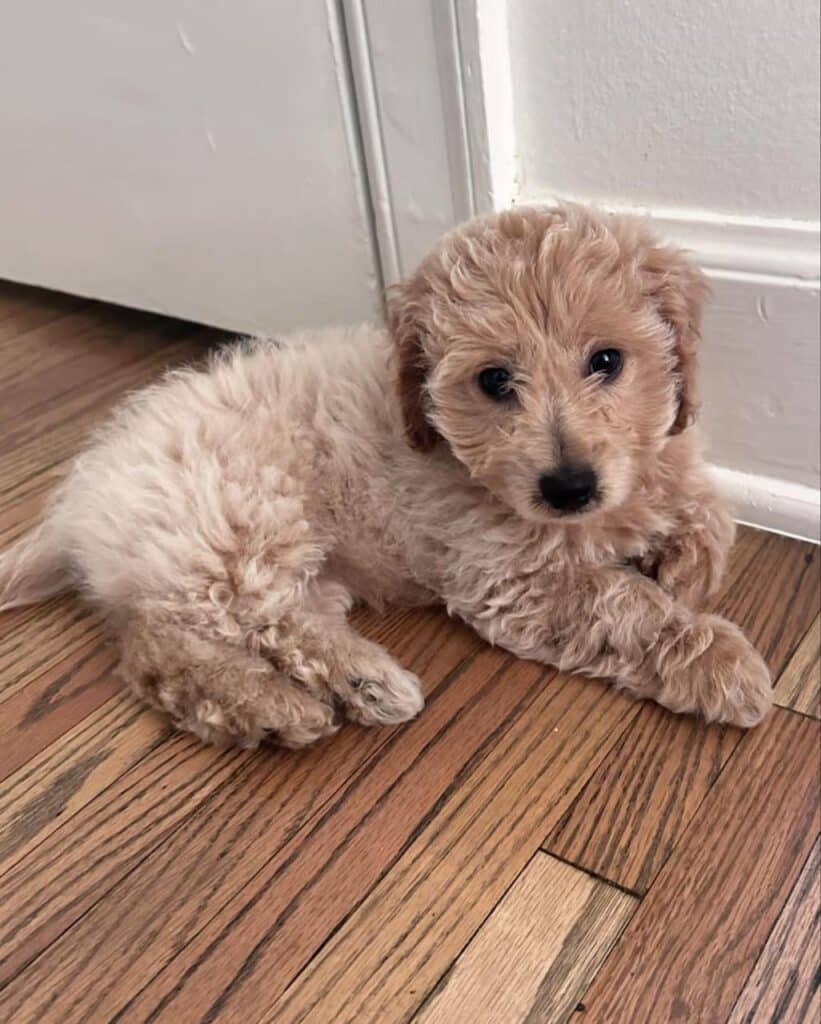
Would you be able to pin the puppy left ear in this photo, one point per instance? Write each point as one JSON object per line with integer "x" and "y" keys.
{"x": 679, "y": 290}
{"x": 405, "y": 303}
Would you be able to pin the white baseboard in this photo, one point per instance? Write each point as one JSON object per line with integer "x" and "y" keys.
{"x": 777, "y": 505}
{"x": 765, "y": 246}
{"x": 729, "y": 245}
{"x": 745, "y": 245}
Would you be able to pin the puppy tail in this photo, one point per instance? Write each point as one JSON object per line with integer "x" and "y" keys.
{"x": 31, "y": 570}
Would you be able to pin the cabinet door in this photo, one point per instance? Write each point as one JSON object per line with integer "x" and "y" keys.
{"x": 200, "y": 159}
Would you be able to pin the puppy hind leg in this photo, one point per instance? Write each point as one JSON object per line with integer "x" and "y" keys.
{"x": 324, "y": 652}
{"x": 372, "y": 685}
{"x": 221, "y": 693}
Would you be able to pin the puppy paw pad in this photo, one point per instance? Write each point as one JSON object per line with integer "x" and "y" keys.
{"x": 393, "y": 696}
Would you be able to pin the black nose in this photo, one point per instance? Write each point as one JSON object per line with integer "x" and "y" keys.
{"x": 570, "y": 488}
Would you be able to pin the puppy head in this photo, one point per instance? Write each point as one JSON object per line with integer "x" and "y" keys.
{"x": 553, "y": 350}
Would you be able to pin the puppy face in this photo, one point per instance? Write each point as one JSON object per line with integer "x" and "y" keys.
{"x": 553, "y": 351}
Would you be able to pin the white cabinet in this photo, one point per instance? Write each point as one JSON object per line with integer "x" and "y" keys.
{"x": 196, "y": 158}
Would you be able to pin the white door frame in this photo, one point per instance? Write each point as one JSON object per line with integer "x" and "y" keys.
{"x": 433, "y": 91}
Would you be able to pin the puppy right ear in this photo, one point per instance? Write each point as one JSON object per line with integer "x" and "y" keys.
{"x": 679, "y": 289}
{"x": 405, "y": 323}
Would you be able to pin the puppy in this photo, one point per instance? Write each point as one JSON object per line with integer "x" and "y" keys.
{"x": 517, "y": 446}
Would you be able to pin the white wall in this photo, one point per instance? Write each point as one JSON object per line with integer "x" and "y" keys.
{"x": 708, "y": 104}
{"x": 706, "y": 116}
{"x": 195, "y": 158}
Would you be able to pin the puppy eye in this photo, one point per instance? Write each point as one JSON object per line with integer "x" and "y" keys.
{"x": 607, "y": 362}
{"x": 496, "y": 382}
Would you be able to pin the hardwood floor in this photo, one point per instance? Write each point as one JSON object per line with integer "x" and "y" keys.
{"x": 533, "y": 848}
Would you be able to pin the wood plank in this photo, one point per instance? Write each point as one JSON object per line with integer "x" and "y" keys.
{"x": 23, "y": 308}
{"x": 56, "y": 340}
{"x": 55, "y": 702}
{"x": 784, "y": 985}
{"x": 111, "y": 739}
{"x": 34, "y": 459}
{"x": 391, "y": 951}
{"x": 43, "y": 365}
{"x": 292, "y": 892}
{"x": 74, "y": 867}
{"x": 43, "y": 637}
{"x": 211, "y": 857}
{"x": 779, "y": 599}
{"x": 55, "y": 784}
{"x": 696, "y": 936}
{"x": 94, "y": 356}
{"x": 168, "y": 343}
{"x": 747, "y": 548}
{"x": 24, "y": 508}
{"x": 537, "y": 952}
{"x": 799, "y": 687}
{"x": 632, "y": 813}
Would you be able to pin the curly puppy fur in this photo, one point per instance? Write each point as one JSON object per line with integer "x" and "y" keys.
{"x": 227, "y": 518}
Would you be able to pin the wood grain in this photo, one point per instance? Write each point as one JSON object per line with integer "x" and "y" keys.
{"x": 392, "y": 950}
{"x": 55, "y": 784}
{"x": 34, "y": 450}
{"x": 220, "y": 848}
{"x": 632, "y": 813}
{"x": 54, "y": 702}
{"x": 23, "y": 309}
{"x": 76, "y": 865}
{"x": 748, "y": 546}
{"x": 272, "y": 926}
{"x": 536, "y": 953}
{"x": 779, "y": 598}
{"x": 784, "y": 984}
{"x": 799, "y": 687}
{"x": 42, "y": 638}
{"x": 61, "y": 418}
{"x": 64, "y": 361}
{"x": 46, "y": 364}
{"x": 696, "y": 936}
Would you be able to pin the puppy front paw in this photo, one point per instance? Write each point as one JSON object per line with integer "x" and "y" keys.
{"x": 714, "y": 670}
{"x": 688, "y": 567}
{"x": 737, "y": 687}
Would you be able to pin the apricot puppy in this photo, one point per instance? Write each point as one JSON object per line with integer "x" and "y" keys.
{"x": 517, "y": 446}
